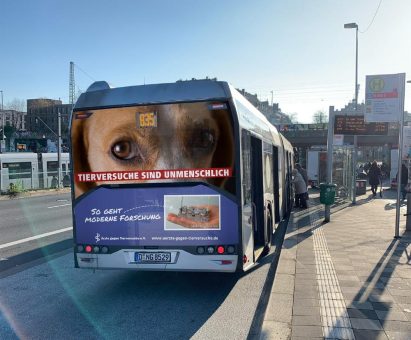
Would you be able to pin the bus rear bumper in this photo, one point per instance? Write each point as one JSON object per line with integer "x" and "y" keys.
{"x": 180, "y": 261}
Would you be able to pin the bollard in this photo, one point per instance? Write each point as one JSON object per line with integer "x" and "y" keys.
{"x": 408, "y": 214}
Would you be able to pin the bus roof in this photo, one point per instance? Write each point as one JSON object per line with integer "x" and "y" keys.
{"x": 100, "y": 95}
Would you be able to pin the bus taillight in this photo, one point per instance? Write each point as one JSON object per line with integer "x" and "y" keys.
{"x": 220, "y": 250}
{"x": 230, "y": 249}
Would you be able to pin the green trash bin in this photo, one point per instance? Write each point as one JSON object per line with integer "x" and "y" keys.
{"x": 327, "y": 193}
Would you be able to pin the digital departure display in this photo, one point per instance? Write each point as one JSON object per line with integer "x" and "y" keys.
{"x": 355, "y": 125}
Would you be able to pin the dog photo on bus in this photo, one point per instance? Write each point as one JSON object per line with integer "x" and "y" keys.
{"x": 152, "y": 137}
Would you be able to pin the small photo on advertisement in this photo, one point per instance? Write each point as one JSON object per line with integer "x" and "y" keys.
{"x": 191, "y": 212}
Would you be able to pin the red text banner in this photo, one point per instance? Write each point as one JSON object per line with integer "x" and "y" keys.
{"x": 147, "y": 175}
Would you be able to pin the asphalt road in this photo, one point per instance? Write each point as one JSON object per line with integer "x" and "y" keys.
{"x": 55, "y": 301}
{"x": 25, "y": 218}
{"x": 47, "y": 298}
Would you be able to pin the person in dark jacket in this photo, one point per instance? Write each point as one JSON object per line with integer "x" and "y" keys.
{"x": 374, "y": 177}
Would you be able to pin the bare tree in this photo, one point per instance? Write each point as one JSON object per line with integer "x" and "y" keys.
{"x": 320, "y": 117}
{"x": 293, "y": 117}
{"x": 17, "y": 105}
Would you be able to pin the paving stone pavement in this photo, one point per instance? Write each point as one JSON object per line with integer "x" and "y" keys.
{"x": 347, "y": 279}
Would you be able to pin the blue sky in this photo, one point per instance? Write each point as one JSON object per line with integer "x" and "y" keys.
{"x": 298, "y": 48}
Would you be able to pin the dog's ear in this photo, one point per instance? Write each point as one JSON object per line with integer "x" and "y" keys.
{"x": 79, "y": 147}
{"x": 224, "y": 153}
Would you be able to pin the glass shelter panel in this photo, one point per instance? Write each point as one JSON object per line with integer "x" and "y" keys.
{"x": 342, "y": 175}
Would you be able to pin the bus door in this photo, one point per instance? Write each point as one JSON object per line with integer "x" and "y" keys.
{"x": 276, "y": 186}
{"x": 257, "y": 195}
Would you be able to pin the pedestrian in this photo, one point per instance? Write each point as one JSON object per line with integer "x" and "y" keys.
{"x": 404, "y": 181}
{"x": 300, "y": 189}
{"x": 303, "y": 173}
{"x": 374, "y": 177}
{"x": 54, "y": 182}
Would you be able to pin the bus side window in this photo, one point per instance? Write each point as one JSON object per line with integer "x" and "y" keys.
{"x": 246, "y": 158}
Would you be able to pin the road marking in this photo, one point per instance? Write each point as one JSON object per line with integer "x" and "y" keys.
{"x": 57, "y": 206}
{"x": 35, "y": 237}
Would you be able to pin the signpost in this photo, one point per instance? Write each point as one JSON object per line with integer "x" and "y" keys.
{"x": 384, "y": 98}
{"x": 384, "y": 102}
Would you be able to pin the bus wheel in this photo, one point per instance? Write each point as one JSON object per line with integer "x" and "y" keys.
{"x": 269, "y": 226}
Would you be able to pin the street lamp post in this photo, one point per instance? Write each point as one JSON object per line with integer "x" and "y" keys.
{"x": 354, "y": 158}
{"x": 59, "y": 175}
{"x": 59, "y": 149}
{"x": 3, "y": 144}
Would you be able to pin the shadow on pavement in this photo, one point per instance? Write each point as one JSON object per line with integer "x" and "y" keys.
{"x": 372, "y": 291}
{"x": 30, "y": 258}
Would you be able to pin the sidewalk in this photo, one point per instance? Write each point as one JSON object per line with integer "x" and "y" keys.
{"x": 33, "y": 193}
{"x": 347, "y": 279}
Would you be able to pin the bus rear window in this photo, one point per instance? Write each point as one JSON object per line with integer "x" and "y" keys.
{"x": 156, "y": 143}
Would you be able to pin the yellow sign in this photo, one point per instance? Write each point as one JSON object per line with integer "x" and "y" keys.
{"x": 147, "y": 120}
{"x": 376, "y": 84}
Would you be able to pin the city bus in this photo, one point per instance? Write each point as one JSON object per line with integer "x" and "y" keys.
{"x": 185, "y": 176}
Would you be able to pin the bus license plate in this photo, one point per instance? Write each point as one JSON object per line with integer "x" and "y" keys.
{"x": 153, "y": 257}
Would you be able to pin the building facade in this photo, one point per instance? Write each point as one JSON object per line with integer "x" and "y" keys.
{"x": 272, "y": 112}
{"x": 13, "y": 118}
{"x": 42, "y": 117}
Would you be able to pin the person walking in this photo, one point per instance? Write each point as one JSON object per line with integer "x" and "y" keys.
{"x": 300, "y": 189}
{"x": 374, "y": 176}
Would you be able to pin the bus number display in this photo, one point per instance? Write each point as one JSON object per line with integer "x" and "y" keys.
{"x": 147, "y": 120}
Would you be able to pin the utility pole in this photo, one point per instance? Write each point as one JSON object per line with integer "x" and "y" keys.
{"x": 72, "y": 85}
{"x": 3, "y": 142}
{"x": 272, "y": 98}
{"x": 330, "y": 149}
{"x": 59, "y": 150}
{"x": 354, "y": 156}
{"x": 354, "y": 199}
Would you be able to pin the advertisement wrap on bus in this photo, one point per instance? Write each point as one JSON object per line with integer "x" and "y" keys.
{"x": 155, "y": 175}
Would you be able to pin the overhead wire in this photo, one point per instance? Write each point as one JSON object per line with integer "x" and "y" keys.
{"x": 84, "y": 72}
{"x": 372, "y": 21}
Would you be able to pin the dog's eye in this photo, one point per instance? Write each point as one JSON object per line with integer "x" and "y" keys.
{"x": 204, "y": 139}
{"x": 125, "y": 150}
